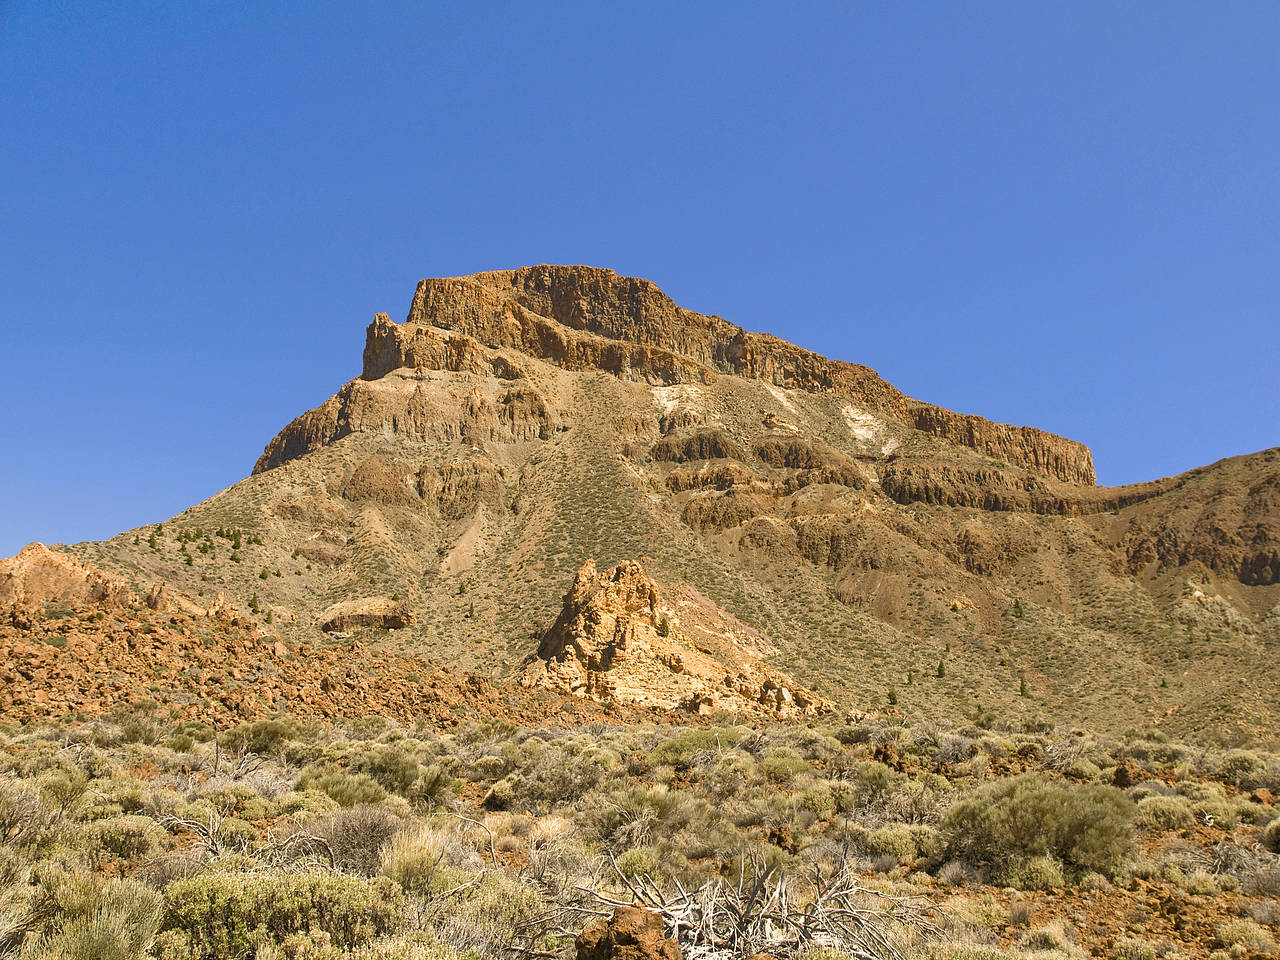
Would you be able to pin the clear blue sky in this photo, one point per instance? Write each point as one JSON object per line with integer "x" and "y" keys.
{"x": 1057, "y": 214}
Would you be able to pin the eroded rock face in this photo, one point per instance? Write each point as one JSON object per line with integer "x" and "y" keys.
{"x": 591, "y": 318}
{"x": 376, "y": 612}
{"x": 491, "y": 325}
{"x": 618, "y": 639}
{"x": 38, "y": 575}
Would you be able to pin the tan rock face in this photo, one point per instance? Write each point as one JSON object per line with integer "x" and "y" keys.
{"x": 617, "y": 639}
{"x": 378, "y": 612}
{"x": 38, "y": 575}
{"x": 589, "y": 319}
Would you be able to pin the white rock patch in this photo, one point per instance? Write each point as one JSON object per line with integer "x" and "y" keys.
{"x": 668, "y": 398}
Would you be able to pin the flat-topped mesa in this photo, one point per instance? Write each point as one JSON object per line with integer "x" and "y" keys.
{"x": 588, "y": 318}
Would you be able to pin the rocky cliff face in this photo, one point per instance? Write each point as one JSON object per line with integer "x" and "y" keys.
{"x": 618, "y": 639}
{"x": 589, "y": 319}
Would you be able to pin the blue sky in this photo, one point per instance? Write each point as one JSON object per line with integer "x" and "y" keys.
{"x": 1057, "y": 214}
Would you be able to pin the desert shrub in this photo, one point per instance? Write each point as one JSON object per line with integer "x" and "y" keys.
{"x": 128, "y": 837}
{"x": 893, "y": 841}
{"x": 1263, "y": 881}
{"x": 223, "y": 914}
{"x": 485, "y": 918}
{"x": 1271, "y": 836}
{"x": 782, "y": 763}
{"x": 871, "y": 781}
{"x": 729, "y": 775}
{"x": 1131, "y": 948}
{"x": 310, "y": 803}
{"x": 1036, "y": 873}
{"x": 1083, "y": 769}
{"x": 1029, "y": 816}
{"x": 405, "y": 946}
{"x": 433, "y": 788}
{"x": 1240, "y": 767}
{"x": 557, "y": 774}
{"x": 1164, "y": 813}
{"x": 234, "y": 800}
{"x": 819, "y": 799}
{"x": 500, "y": 796}
{"x": 395, "y": 769}
{"x": 24, "y": 816}
{"x": 639, "y": 861}
{"x": 263, "y": 736}
{"x": 638, "y": 816}
{"x": 356, "y": 836}
{"x": 348, "y": 789}
{"x": 681, "y": 751}
{"x": 1245, "y": 933}
{"x": 63, "y": 789}
{"x": 413, "y": 857}
{"x": 121, "y": 925}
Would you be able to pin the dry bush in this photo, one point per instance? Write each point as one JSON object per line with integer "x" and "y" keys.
{"x": 355, "y": 836}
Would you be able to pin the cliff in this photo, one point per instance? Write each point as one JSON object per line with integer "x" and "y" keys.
{"x": 591, "y": 319}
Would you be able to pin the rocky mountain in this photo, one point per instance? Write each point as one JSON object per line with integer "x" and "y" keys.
{"x": 858, "y": 542}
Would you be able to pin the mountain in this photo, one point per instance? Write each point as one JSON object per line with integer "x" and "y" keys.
{"x": 519, "y": 424}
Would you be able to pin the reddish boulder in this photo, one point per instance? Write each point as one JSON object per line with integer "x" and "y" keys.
{"x": 632, "y": 933}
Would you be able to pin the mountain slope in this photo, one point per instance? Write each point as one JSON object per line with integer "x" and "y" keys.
{"x": 519, "y": 423}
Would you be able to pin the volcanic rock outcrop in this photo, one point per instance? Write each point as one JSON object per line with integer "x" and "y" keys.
{"x": 585, "y": 318}
{"x": 616, "y": 639}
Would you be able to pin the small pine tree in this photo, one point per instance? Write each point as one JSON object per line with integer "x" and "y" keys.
{"x": 471, "y": 610}
{"x": 911, "y": 677}
{"x": 269, "y": 617}
{"x": 1017, "y": 608}
{"x": 893, "y": 697}
{"x": 1022, "y": 686}
{"x": 664, "y": 628}
{"x": 253, "y": 603}
{"x": 942, "y": 669}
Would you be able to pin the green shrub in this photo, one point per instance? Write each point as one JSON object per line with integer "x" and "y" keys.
{"x": 1164, "y": 813}
{"x": 1247, "y": 934}
{"x": 639, "y": 861}
{"x": 414, "y": 857}
{"x": 263, "y": 736}
{"x": 121, "y": 925}
{"x": 128, "y": 837}
{"x": 680, "y": 751}
{"x": 228, "y": 915}
{"x": 393, "y": 768}
{"x": 1240, "y": 767}
{"x": 486, "y": 917}
{"x": 1130, "y": 948}
{"x": 348, "y": 789}
{"x": 1016, "y": 819}
{"x": 1037, "y": 873}
{"x": 1271, "y": 836}
{"x": 895, "y": 841}
{"x": 782, "y": 763}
